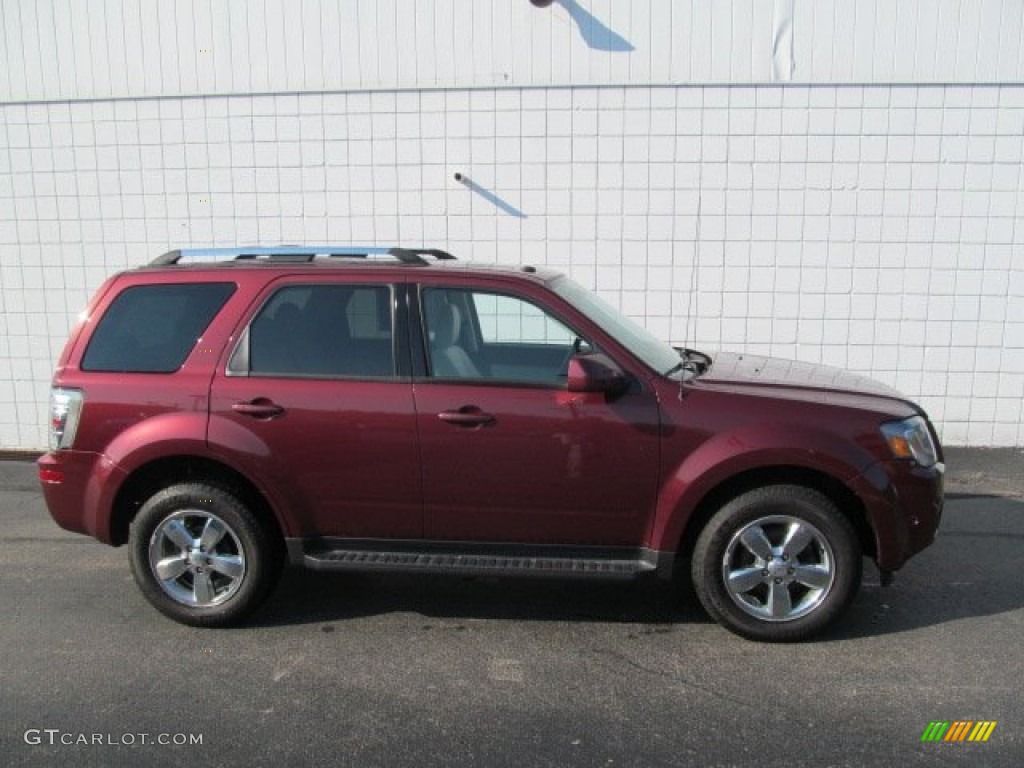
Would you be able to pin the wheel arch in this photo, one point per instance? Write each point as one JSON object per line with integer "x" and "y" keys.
{"x": 733, "y": 486}
{"x": 148, "y": 478}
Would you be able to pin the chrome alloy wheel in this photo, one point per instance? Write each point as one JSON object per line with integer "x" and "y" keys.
{"x": 778, "y": 568}
{"x": 196, "y": 558}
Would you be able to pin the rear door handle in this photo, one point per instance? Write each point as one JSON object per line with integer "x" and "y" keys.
{"x": 260, "y": 408}
{"x": 467, "y": 416}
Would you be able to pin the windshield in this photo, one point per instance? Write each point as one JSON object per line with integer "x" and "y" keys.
{"x": 655, "y": 353}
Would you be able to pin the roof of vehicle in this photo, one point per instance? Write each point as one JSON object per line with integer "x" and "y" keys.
{"x": 331, "y": 257}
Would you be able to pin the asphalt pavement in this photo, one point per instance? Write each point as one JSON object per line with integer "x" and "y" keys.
{"x": 400, "y": 671}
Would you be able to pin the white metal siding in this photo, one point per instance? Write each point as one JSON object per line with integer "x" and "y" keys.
{"x": 73, "y": 49}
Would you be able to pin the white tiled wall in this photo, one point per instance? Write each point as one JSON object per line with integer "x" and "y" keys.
{"x": 52, "y": 50}
{"x": 878, "y": 228}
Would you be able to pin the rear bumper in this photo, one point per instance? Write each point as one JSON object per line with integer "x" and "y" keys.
{"x": 79, "y": 487}
{"x": 904, "y": 505}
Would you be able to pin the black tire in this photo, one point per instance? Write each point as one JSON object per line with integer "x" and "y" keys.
{"x": 217, "y": 561}
{"x": 797, "y": 593}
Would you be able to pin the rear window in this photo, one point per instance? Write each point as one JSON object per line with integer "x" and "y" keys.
{"x": 152, "y": 328}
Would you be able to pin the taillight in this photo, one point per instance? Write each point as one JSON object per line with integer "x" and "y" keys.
{"x": 65, "y": 410}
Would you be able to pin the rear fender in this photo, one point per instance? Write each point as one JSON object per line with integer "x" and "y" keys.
{"x": 134, "y": 447}
{"x": 242, "y": 449}
{"x": 147, "y": 440}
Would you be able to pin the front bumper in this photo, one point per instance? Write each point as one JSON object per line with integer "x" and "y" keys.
{"x": 904, "y": 502}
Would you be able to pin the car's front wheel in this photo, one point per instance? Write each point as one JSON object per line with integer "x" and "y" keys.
{"x": 778, "y": 563}
{"x": 200, "y": 556}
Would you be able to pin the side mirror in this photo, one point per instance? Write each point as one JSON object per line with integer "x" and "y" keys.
{"x": 594, "y": 372}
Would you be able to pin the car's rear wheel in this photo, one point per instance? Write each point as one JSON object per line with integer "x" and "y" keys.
{"x": 778, "y": 563}
{"x": 200, "y": 556}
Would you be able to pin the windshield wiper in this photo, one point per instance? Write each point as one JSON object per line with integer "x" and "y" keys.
{"x": 692, "y": 360}
{"x": 684, "y": 365}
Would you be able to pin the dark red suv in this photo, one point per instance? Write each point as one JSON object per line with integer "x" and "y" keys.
{"x": 373, "y": 409}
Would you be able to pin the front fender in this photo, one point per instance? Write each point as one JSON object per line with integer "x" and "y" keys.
{"x": 731, "y": 454}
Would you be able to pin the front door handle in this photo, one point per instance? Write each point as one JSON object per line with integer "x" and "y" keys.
{"x": 467, "y": 416}
{"x": 260, "y": 408}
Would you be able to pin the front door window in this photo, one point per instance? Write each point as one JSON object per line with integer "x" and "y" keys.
{"x": 495, "y": 337}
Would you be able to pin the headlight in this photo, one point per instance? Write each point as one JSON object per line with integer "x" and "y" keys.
{"x": 911, "y": 439}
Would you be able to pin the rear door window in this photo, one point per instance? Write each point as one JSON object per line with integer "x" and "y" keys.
{"x": 153, "y": 328}
{"x": 321, "y": 331}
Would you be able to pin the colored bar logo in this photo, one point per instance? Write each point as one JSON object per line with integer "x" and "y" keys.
{"x": 958, "y": 730}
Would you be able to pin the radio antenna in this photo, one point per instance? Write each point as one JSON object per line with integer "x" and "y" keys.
{"x": 694, "y": 268}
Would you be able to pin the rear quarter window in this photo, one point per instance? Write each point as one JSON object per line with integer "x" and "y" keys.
{"x": 153, "y": 328}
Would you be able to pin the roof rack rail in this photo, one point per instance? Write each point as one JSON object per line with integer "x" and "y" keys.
{"x": 301, "y": 253}
{"x": 415, "y": 255}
